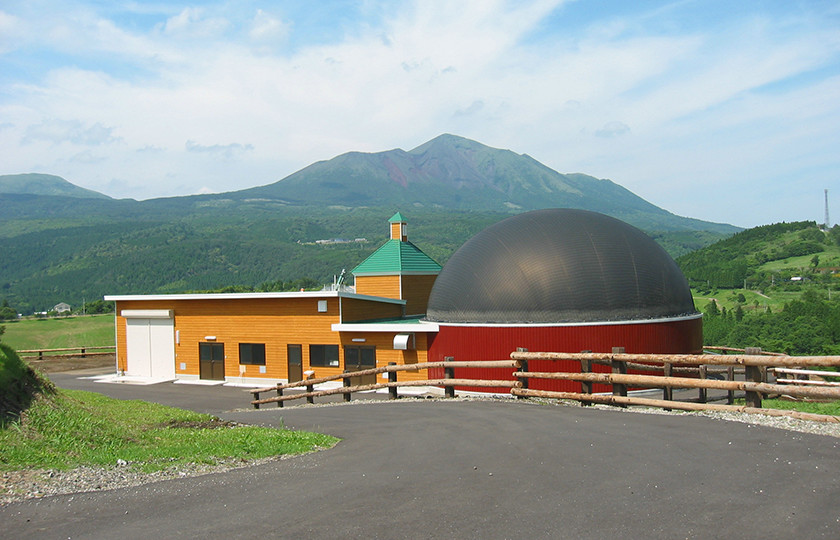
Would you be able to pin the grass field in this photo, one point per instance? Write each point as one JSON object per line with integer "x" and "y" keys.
{"x": 76, "y": 428}
{"x": 59, "y": 333}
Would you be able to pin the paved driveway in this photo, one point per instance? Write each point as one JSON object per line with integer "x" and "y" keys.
{"x": 482, "y": 469}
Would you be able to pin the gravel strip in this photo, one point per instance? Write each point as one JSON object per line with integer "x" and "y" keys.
{"x": 33, "y": 484}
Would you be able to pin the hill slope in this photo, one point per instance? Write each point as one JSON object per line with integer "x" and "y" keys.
{"x": 458, "y": 173}
{"x": 45, "y": 184}
{"x": 762, "y": 256}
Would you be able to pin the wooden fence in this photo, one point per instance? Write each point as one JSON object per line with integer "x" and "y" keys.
{"x": 746, "y": 372}
{"x": 70, "y": 352}
{"x": 754, "y": 386}
{"x": 449, "y": 382}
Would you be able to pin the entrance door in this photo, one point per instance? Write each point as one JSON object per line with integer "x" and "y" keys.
{"x": 150, "y": 344}
{"x": 357, "y": 359}
{"x": 295, "y": 363}
{"x": 211, "y": 357}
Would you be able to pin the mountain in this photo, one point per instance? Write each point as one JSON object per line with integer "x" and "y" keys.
{"x": 79, "y": 245}
{"x": 45, "y": 184}
{"x": 461, "y": 174}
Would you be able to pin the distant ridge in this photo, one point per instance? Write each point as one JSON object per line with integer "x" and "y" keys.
{"x": 45, "y": 184}
{"x": 458, "y": 173}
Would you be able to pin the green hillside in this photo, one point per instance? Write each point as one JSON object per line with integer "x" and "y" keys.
{"x": 765, "y": 257}
{"x": 45, "y": 184}
{"x": 772, "y": 287}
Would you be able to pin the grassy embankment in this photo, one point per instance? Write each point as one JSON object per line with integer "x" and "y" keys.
{"x": 59, "y": 333}
{"x": 42, "y": 427}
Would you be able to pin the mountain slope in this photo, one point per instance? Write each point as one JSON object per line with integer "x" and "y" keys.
{"x": 45, "y": 184}
{"x": 762, "y": 256}
{"x": 458, "y": 173}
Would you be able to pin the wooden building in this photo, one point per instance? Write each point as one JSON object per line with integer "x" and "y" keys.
{"x": 258, "y": 338}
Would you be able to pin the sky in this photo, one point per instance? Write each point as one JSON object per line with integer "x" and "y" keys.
{"x": 719, "y": 110}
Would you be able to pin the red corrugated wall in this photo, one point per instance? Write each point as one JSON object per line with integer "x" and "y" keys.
{"x": 496, "y": 343}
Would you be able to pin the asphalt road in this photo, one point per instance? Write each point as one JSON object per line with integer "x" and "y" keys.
{"x": 478, "y": 469}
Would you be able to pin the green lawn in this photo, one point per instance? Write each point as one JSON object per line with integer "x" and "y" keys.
{"x": 59, "y": 333}
{"x": 728, "y": 298}
{"x": 76, "y": 428}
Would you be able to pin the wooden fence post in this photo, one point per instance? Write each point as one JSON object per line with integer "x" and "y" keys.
{"x": 346, "y": 382}
{"x": 523, "y": 366}
{"x": 449, "y": 373}
{"x": 703, "y": 396}
{"x": 83, "y": 353}
{"x": 730, "y": 376}
{"x": 392, "y": 378}
{"x": 619, "y": 366}
{"x": 256, "y": 398}
{"x": 667, "y": 391}
{"x": 586, "y": 386}
{"x": 753, "y": 374}
{"x": 309, "y": 389}
{"x": 279, "y": 394}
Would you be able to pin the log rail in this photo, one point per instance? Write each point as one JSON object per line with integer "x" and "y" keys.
{"x": 754, "y": 368}
{"x": 449, "y": 382}
{"x": 68, "y": 352}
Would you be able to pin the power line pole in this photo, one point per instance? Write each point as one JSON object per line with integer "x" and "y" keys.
{"x": 827, "y": 222}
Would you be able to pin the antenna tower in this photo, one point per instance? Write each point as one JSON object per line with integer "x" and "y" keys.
{"x": 827, "y": 222}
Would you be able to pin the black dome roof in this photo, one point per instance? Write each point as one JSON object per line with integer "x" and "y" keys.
{"x": 559, "y": 266}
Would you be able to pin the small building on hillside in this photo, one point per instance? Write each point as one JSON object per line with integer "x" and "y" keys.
{"x": 548, "y": 280}
{"x": 61, "y": 308}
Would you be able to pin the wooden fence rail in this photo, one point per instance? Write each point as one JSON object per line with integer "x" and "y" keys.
{"x": 752, "y": 364}
{"x": 449, "y": 382}
{"x": 80, "y": 352}
{"x": 755, "y": 369}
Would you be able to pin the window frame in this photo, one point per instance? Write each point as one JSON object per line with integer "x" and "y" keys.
{"x": 323, "y": 358}
{"x": 247, "y": 359}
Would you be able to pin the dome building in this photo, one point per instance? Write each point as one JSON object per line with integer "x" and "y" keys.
{"x": 560, "y": 280}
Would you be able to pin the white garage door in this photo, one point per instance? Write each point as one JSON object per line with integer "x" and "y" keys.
{"x": 150, "y": 343}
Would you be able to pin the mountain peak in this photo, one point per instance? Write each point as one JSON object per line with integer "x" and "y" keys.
{"x": 45, "y": 184}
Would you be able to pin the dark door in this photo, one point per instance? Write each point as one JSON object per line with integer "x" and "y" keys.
{"x": 211, "y": 357}
{"x": 295, "y": 363}
{"x": 357, "y": 359}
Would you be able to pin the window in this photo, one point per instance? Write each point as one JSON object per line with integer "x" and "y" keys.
{"x": 358, "y": 358}
{"x": 252, "y": 354}
{"x": 323, "y": 355}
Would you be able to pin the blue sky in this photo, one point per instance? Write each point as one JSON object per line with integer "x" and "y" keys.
{"x": 723, "y": 111}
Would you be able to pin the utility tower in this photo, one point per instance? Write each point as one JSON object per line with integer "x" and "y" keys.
{"x": 827, "y": 222}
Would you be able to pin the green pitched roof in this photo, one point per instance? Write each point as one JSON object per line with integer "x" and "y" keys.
{"x": 395, "y": 257}
{"x": 396, "y": 218}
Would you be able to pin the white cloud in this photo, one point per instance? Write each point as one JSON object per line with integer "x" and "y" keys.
{"x": 729, "y": 101}
{"x": 192, "y": 23}
{"x": 59, "y": 131}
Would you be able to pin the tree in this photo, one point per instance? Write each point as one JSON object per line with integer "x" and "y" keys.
{"x": 815, "y": 261}
{"x": 7, "y": 313}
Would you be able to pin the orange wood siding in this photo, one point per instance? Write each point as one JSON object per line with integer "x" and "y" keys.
{"x": 397, "y": 232}
{"x": 274, "y": 322}
{"x": 385, "y": 286}
{"x": 385, "y": 353}
{"x": 354, "y": 309}
{"x": 416, "y": 291}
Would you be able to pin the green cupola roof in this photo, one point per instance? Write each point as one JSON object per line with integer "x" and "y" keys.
{"x": 397, "y": 258}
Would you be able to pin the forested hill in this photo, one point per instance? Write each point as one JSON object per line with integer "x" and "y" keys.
{"x": 757, "y": 258}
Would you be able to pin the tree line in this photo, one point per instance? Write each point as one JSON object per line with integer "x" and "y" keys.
{"x": 807, "y": 326}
